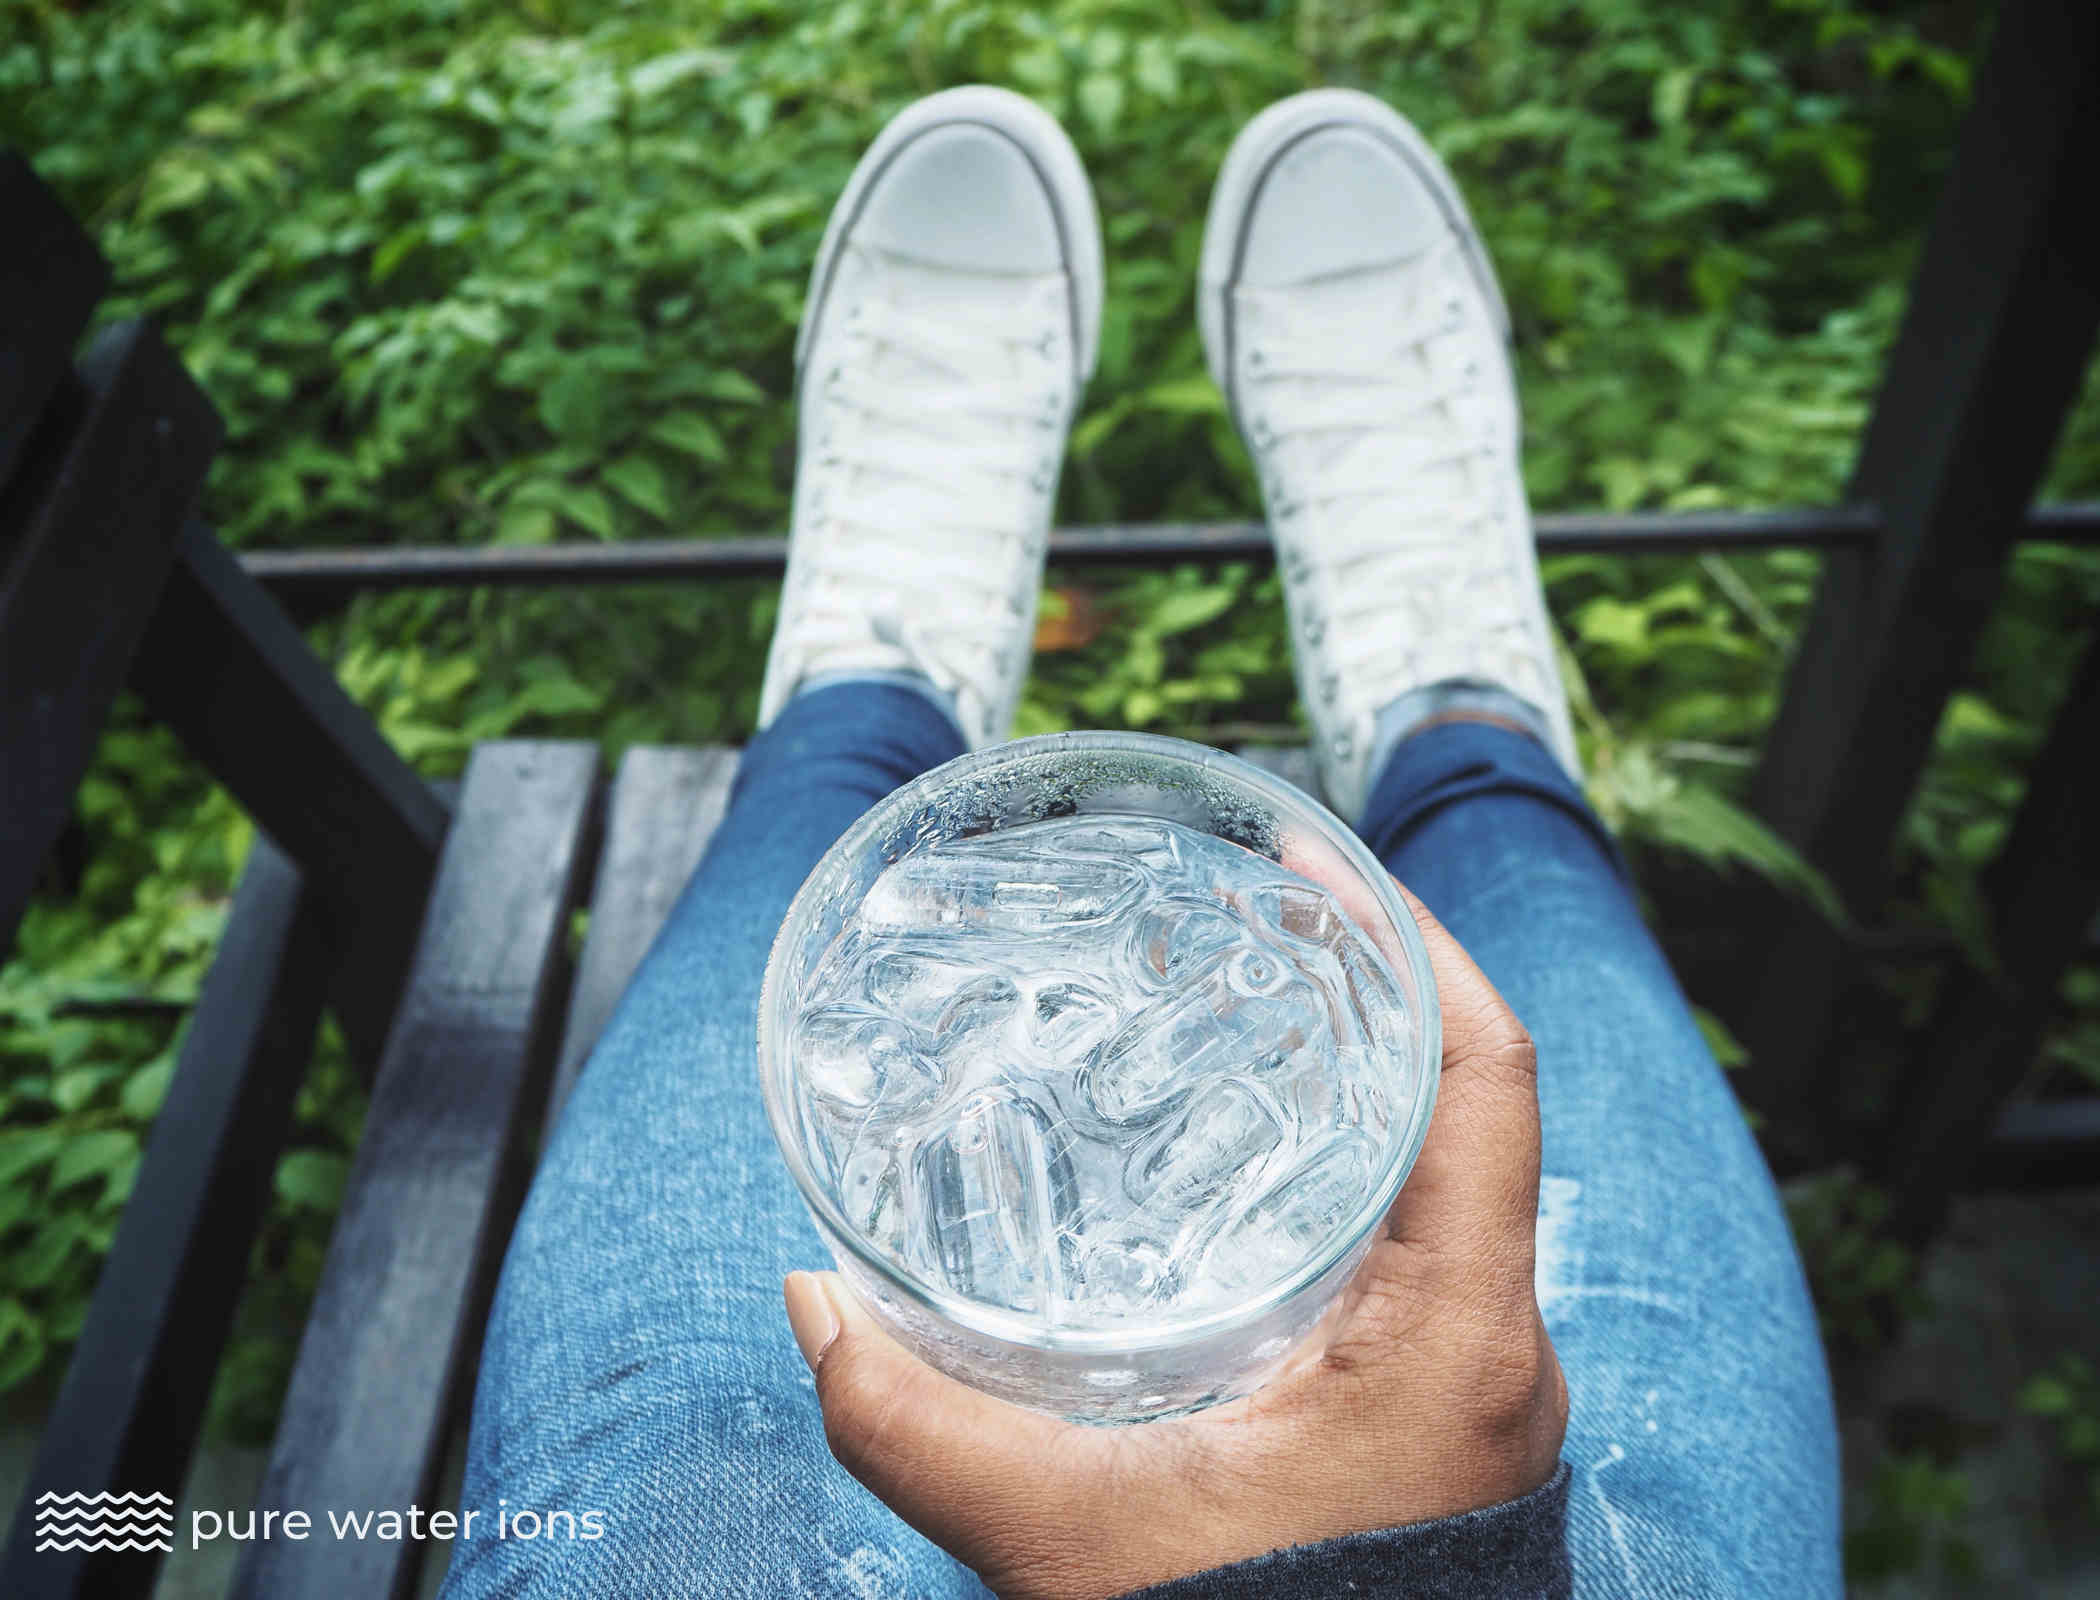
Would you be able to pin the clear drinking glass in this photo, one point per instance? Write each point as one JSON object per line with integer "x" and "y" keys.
{"x": 1150, "y": 1368}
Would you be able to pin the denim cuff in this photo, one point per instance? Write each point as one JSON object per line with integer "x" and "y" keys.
{"x": 1447, "y": 763}
{"x": 863, "y": 735}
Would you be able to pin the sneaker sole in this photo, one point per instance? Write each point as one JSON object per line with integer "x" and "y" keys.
{"x": 1037, "y": 135}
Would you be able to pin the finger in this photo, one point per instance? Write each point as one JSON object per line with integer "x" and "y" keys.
{"x": 977, "y": 1476}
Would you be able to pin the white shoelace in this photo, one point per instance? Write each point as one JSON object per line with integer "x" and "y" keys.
{"x": 1405, "y": 482}
{"x": 948, "y": 434}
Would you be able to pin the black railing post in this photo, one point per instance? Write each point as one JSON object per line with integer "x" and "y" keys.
{"x": 2041, "y": 893}
{"x": 2001, "y": 320}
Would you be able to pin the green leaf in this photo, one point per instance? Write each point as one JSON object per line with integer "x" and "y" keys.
{"x": 525, "y": 524}
{"x": 1101, "y": 100}
{"x": 1701, "y": 820}
{"x": 1191, "y": 608}
{"x": 21, "y": 1342}
{"x": 1185, "y": 397}
{"x": 690, "y": 432}
{"x": 640, "y": 481}
{"x": 1727, "y": 1049}
{"x": 313, "y": 1179}
{"x": 146, "y": 1088}
{"x": 72, "y": 1090}
{"x": 38, "y": 1263}
{"x": 93, "y": 1155}
{"x": 588, "y": 508}
{"x": 2047, "y": 1396}
{"x": 1156, "y": 71}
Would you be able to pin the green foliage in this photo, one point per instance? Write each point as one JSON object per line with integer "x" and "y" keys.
{"x": 1865, "y": 1282}
{"x": 2068, "y": 1395}
{"x": 519, "y": 271}
{"x": 1913, "y": 1521}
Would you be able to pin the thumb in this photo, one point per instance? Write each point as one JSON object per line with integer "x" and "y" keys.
{"x": 972, "y": 1473}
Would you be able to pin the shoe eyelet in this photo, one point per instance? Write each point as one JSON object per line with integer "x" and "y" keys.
{"x": 1256, "y": 361}
{"x": 1342, "y": 746}
{"x": 1264, "y": 435}
{"x": 1314, "y": 629}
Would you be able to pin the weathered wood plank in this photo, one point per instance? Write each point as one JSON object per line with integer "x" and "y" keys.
{"x": 80, "y": 572}
{"x": 224, "y": 666}
{"x": 2042, "y": 1144}
{"x": 51, "y": 275}
{"x": 666, "y": 804}
{"x": 1292, "y": 763}
{"x": 438, "y": 1172}
{"x": 134, "y": 1393}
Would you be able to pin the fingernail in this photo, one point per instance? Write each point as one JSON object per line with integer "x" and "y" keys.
{"x": 811, "y": 1314}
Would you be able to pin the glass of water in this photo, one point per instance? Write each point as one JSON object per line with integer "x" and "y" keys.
{"x": 1099, "y": 1059}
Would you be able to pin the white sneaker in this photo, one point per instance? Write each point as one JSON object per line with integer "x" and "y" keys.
{"x": 1352, "y": 319}
{"x": 952, "y": 319}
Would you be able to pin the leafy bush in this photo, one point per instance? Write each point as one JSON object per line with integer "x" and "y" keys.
{"x": 484, "y": 271}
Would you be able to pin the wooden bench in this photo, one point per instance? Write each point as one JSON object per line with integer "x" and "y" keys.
{"x": 434, "y": 925}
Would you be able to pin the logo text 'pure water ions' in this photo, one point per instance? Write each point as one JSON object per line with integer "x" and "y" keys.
{"x": 105, "y": 1521}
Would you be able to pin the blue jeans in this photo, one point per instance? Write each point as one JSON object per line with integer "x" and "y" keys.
{"x": 638, "y": 1363}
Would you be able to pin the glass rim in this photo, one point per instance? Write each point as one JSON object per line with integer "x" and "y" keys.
{"x": 1017, "y": 1328}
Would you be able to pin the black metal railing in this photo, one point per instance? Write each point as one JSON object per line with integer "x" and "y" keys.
{"x": 323, "y": 576}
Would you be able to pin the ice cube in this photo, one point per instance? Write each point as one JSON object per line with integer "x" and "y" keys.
{"x": 1181, "y": 935}
{"x": 1001, "y": 1203}
{"x": 1374, "y": 996}
{"x": 973, "y": 886}
{"x": 869, "y": 1191}
{"x": 986, "y": 1003}
{"x": 850, "y": 1059}
{"x": 1126, "y": 838}
{"x": 1067, "y": 1019}
{"x": 1215, "y": 1145}
{"x": 1297, "y": 1217}
{"x": 1214, "y": 1028}
{"x": 1300, "y": 910}
{"x": 911, "y": 983}
{"x": 1126, "y": 1274}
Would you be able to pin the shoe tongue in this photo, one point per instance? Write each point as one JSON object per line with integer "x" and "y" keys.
{"x": 1377, "y": 299}
{"x": 941, "y": 295}
{"x": 936, "y": 293}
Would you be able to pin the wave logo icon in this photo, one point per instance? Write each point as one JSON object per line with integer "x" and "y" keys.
{"x": 105, "y": 1521}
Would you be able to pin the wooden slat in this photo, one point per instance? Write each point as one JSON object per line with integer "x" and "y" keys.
{"x": 666, "y": 804}
{"x": 51, "y": 275}
{"x": 94, "y": 531}
{"x": 224, "y": 666}
{"x": 134, "y": 1393}
{"x": 1292, "y": 763}
{"x": 433, "y": 1190}
{"x": 2043, "y": 1144}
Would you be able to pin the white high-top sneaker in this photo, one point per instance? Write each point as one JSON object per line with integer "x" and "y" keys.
{"x": 952, "y": 319}
{"x": 1351, "y": 316}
